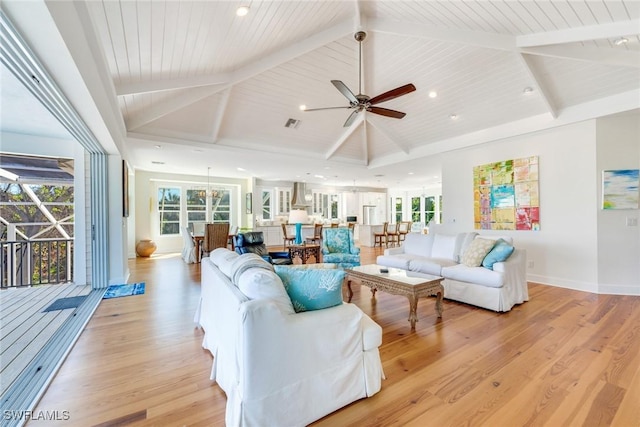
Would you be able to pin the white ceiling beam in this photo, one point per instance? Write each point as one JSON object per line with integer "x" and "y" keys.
{"x": 580, "y": 34}
{"x": 619, "y": 58}
{"x": 375, "y": 122}
{"x": 540, "y": 87}
{"x": 293, "y": 51}
{"x": 222, "y": 109}
{"x": 169, "y": 105}
{"x": 170, "y": 84}
{"x": 345, "y": 135}
{"x": 472, "y": 38}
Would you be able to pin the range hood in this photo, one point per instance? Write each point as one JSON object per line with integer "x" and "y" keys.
{"x": 297, "y": 199}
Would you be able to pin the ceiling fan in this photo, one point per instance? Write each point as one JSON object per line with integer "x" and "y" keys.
{"x": 362, "y": 102}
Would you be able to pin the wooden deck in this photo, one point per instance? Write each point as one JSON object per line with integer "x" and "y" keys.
{"x": 25, "y": 329}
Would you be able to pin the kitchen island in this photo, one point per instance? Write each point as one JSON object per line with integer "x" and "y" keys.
{"x": 366, "y": 234}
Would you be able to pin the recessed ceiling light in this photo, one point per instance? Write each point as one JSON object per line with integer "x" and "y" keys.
{"x": 433, "y": 94}
{"x": 157, "y": 147}
{"x": 157, "y": 163}
{"x": 453, "y": 116}
{"x": 241, "y": 169}
{"x": 621, "y": 41}
{"x": 242, "y": 10}
{"x": 410, "y": 173}
{"x": 303, "y": 107}
{"x": 527, "y": 90}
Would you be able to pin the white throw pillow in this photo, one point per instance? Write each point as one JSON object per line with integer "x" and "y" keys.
{"x": 258, "y": 283}
{"x": 476, "y": 251}
{"x": 444, "y": 247}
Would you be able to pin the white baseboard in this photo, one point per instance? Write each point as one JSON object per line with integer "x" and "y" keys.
{"x": 594, "y": 288}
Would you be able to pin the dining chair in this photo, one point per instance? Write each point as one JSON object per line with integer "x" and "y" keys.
{"x": 377, "y": 237}
{"x": 317, "y": 234}
{"x": 286, "y": 237}
{"x": 216, "y": 235}
{"x": 189, "y": 248}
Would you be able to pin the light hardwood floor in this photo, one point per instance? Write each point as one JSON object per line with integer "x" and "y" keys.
{"x": 565, "y": 358}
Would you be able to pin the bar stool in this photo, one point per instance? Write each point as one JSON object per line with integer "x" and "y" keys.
{"x": 393, "y": 236}
{"x": 377, "y": 237}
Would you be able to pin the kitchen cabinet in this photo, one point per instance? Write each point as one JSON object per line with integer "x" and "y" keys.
{"x": 283, "y": 199}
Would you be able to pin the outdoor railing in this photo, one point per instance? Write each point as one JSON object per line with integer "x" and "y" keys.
{"x": 36, "y": 262}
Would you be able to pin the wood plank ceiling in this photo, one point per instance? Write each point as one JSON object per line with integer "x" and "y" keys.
{"x": 192, "y": 73}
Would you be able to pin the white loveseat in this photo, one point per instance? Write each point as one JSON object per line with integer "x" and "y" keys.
{"x": 498, "y": 289}
{"x": 278, "y": 367}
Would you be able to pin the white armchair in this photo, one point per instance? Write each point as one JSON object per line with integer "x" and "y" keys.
{"x": 278, "y": 367}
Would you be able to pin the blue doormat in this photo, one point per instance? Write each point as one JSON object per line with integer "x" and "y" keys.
{"x": 64, "y": 303}
{"x": 117, "y": 291}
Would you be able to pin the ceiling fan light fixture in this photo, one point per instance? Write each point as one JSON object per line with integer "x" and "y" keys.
{"x": 242, "y": 11}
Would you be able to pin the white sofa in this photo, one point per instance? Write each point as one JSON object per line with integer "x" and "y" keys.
{"x": 440, "y": 254}
{"x": 278, "y": 367}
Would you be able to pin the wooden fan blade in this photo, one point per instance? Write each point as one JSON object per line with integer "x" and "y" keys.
{"x": 386, "y": 112}
{"x": 345, "y": 91}
{"x": 351, "y": 119}
{"x": 393, "y": 93}
{"x": 325, "y": 108}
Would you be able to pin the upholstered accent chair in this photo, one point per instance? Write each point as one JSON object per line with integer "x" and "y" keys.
{"x": 253, "y": 242}
{"x": 339, "y": 248}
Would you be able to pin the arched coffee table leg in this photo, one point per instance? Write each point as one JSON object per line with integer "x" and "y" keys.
{"x": 349, "y": 291}
{"x": 439, "y": 302}
{"x": 413, "y": 308}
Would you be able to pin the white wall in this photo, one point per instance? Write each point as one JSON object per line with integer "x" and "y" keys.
{"x": 565, "y": 250}
{"x": 617, "y": 147}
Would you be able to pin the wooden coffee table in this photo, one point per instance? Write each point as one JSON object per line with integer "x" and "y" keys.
{"x": 398, "y": 282}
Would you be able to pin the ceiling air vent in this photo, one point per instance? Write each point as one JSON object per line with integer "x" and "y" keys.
{"x": 292, "y": 123}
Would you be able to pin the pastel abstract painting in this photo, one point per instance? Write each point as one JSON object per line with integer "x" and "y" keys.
{"x": 620, "y": 189}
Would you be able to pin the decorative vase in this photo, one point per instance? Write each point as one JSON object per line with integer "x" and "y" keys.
{"x": 146, "y": 247}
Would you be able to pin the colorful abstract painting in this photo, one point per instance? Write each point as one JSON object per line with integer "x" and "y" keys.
{"x": 506, "y": 195}
{"x": 620, "y": 189}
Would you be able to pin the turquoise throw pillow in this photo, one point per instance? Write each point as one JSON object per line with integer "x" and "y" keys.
{"x": 312, "y": 289}
{"x": 500, "y": 252}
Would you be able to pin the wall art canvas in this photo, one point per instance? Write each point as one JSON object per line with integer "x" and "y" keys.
{"x": 620, "y": 189}
{"x": 506, "y": 195}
